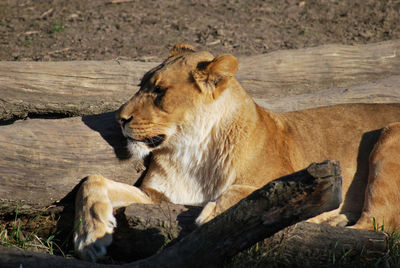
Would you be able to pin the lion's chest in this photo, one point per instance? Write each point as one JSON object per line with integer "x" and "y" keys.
{"x": 195, "y": 172}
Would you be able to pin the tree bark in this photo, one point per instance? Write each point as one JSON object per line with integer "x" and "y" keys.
{"x": 308, "y": 245}
{"x": 60, "y": 89}
{"x": 278, "y": 204}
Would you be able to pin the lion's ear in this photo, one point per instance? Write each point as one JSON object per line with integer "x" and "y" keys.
{"x": 217, "y": 73}
{"x": 181, "y": 48}
{"x": 222, "y": 66}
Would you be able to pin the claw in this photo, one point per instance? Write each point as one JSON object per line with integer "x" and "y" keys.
{"x": 206, "y": 214}
{"x": 112, "y": 223}
{"x": 94, "y": 234}
{"x": 94, "y": 250}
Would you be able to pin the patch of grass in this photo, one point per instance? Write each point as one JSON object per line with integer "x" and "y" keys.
{"x": 57, "y": 27}
{"x": 12, "y": 235}
{"x": 343, "y": 258}
{"x": 28, "y": 43}
{"x": 26, "y": 233}
{"x": 392, "y": 259}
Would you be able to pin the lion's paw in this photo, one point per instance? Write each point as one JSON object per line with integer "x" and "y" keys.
{"x": 94, "y": 232}
{"x": 340, "y": 220}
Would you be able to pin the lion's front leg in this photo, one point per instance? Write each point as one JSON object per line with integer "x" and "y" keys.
{"x": 94, "y": 204}
{"x": 230, "y": 197}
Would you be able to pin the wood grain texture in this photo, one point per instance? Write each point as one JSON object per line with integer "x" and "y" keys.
{"x": 43, "y": 160}
{"x": 292, "y": 72}
{"x": 385, "y": 90}
{"x": 317, "y": 245}
{"x": 92, "y": 87}
{"x": 365, "y": 244}
{"x": 66, "y": 88}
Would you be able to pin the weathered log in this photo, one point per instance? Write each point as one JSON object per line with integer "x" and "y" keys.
{"x": 66, "y": 88}
{"x": 308, "y": 245}
{"x": 386, "y": 90}
{"x": 291, "y": 72}
{"x": 12, "y": 257}
{"x": 91, "y": 87}
{"x": 144, "y": 230}
{"x": 42, "y": 161}
{"x": 275, "y": 206}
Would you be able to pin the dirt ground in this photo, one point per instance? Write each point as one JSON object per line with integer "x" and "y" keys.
{"x": 144, "y": 30}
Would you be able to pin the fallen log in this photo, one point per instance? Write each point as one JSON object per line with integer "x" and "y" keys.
{"x": 144, "y": 230}
{"x": 385, "y": 90}
{"x": 61, "y": 89}
{"x": 42, "y": 161}
{"x": 275, "y": 206}
{"x": 308, "y": 245}
{"x": 303, "y": 71}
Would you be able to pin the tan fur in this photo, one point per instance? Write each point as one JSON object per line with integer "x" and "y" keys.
{"x": 212, "y": 145}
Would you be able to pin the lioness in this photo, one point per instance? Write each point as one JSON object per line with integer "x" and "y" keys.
{"x": 212, "y": 145}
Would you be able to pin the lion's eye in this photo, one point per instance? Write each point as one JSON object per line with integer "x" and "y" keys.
{"x": 160, "y": 92}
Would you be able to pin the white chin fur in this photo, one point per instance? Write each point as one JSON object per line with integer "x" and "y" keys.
{"x": 138, "y": 149}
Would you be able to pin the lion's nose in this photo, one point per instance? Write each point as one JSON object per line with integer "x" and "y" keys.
{"x": 122, "y": 121}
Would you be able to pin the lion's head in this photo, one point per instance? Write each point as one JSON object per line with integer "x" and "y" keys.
{"x": 175, "y": 94}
